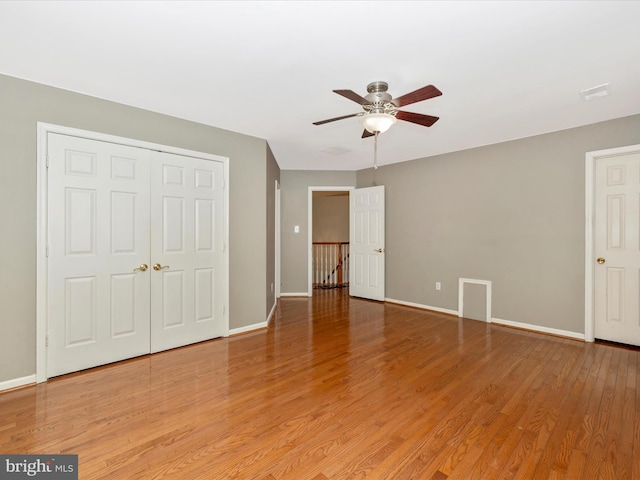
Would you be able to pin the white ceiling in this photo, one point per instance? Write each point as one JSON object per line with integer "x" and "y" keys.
{"x": 507, "y": 69}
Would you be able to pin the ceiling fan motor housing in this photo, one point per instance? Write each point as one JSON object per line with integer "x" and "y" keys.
{"x": 379, "y": 98}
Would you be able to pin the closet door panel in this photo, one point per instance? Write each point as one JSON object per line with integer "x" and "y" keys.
{"x": 98, "y": 214}
{"x": 186, "y": 250}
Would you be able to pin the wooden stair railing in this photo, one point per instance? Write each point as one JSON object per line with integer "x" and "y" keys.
{"x": 330, "y": 264}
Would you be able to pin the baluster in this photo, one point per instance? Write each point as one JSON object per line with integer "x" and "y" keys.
{"x": 345, "y": 261}
{"x": 315, "y": 264}
{"x": 324, "y": 264}
{"x": 339, "y": 261}
{"x": 329, "y": 273}
{"x": 327, "y": 265}
{"x": 336, "y": 263}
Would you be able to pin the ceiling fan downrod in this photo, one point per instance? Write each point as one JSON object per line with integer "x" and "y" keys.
{"x": 375, "y": 151}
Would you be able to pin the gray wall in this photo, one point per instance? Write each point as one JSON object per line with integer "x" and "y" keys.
{"x": 294, "y": 188}
{"x": 22, "y": 105}
{"x": 512, "y": 213}
{"x": 331, "y": 218}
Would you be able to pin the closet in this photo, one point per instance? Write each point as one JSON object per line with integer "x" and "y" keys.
{"x": 135, "y": 254}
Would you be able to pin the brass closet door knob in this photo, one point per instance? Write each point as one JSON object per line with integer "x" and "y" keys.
{"x": 157, "y": 267}
{"x": 600, "y": 260}
{"x": 142, "y": 267}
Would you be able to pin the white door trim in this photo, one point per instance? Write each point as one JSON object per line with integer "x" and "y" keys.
{"x": 43, "y": 129}
{"x": 589, "y": 254}
{"x": 310, "y": 229}
{"x": 277, "y": 280}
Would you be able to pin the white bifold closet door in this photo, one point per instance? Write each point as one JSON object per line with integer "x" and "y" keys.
{"x": 115, "y": 212}
{"x": 186, "y": 247}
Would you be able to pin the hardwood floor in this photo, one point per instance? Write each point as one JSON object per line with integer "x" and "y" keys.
{"x": 339, "y": 388}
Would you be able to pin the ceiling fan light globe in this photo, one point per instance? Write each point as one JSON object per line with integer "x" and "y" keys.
{"x": 377, "y": 122}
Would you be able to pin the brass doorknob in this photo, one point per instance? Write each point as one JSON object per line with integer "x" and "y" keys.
{"x": 379, "y": 250}
{"x": 600, "y": 260}
{"x": 142, "y": 267}
{"x": 157, "y": 266}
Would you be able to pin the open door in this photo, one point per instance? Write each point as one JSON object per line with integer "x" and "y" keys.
{"x": 616, "y": 246}
{"x": 366, "y": 260}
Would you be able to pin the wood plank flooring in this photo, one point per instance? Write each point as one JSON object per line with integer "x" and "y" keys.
{"x": 340, "y": 388}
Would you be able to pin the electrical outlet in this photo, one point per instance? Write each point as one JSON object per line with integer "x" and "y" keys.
{"x": 438, "y": 286}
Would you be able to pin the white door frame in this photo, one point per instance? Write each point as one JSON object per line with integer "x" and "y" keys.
{"x": 43, "y": 129}
{"x": 589, "y": 256}
{"x": 277, "y": 280}
{"x": 310, "y": 229}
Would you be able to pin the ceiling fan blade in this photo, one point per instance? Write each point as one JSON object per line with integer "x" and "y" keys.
{"x": 367, "y": 133}
{"x": 321, "y": 122}
{"x": 351, "y": 95}
{"x": 419, "y": 95}
{"x": 419, "y": 118}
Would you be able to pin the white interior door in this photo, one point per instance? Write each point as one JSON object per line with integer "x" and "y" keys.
{"x": 617, "y": 248}
{"x": 187, "y": 250}
{"x": 367, "y": 257}
{"x": 98, "y": 296}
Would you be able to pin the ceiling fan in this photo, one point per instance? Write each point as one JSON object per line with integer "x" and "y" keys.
{"x": 381, "y": 110}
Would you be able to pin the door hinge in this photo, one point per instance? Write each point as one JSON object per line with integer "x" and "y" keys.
{"x": 46, "y": 251}
{"x": 46, "y": 341}
{"x": 224, "y": 247}
{"x": 47, "y": 162}
{"x": 224, "y": 309}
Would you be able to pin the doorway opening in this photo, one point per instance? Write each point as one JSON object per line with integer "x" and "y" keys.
{"x": 328, "y": 237}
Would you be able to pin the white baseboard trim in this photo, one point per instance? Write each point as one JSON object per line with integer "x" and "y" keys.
{"x": 422, "y": 307}
{"x": 17, "y": 382}
{"x": 295, "y": 294}
{"x": 248, "y": 328}
{"x": 497, "y": 321}
{"x": 538, "y": 328}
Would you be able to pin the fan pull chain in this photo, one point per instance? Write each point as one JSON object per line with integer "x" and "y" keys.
{"x": 375, "y": 151}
